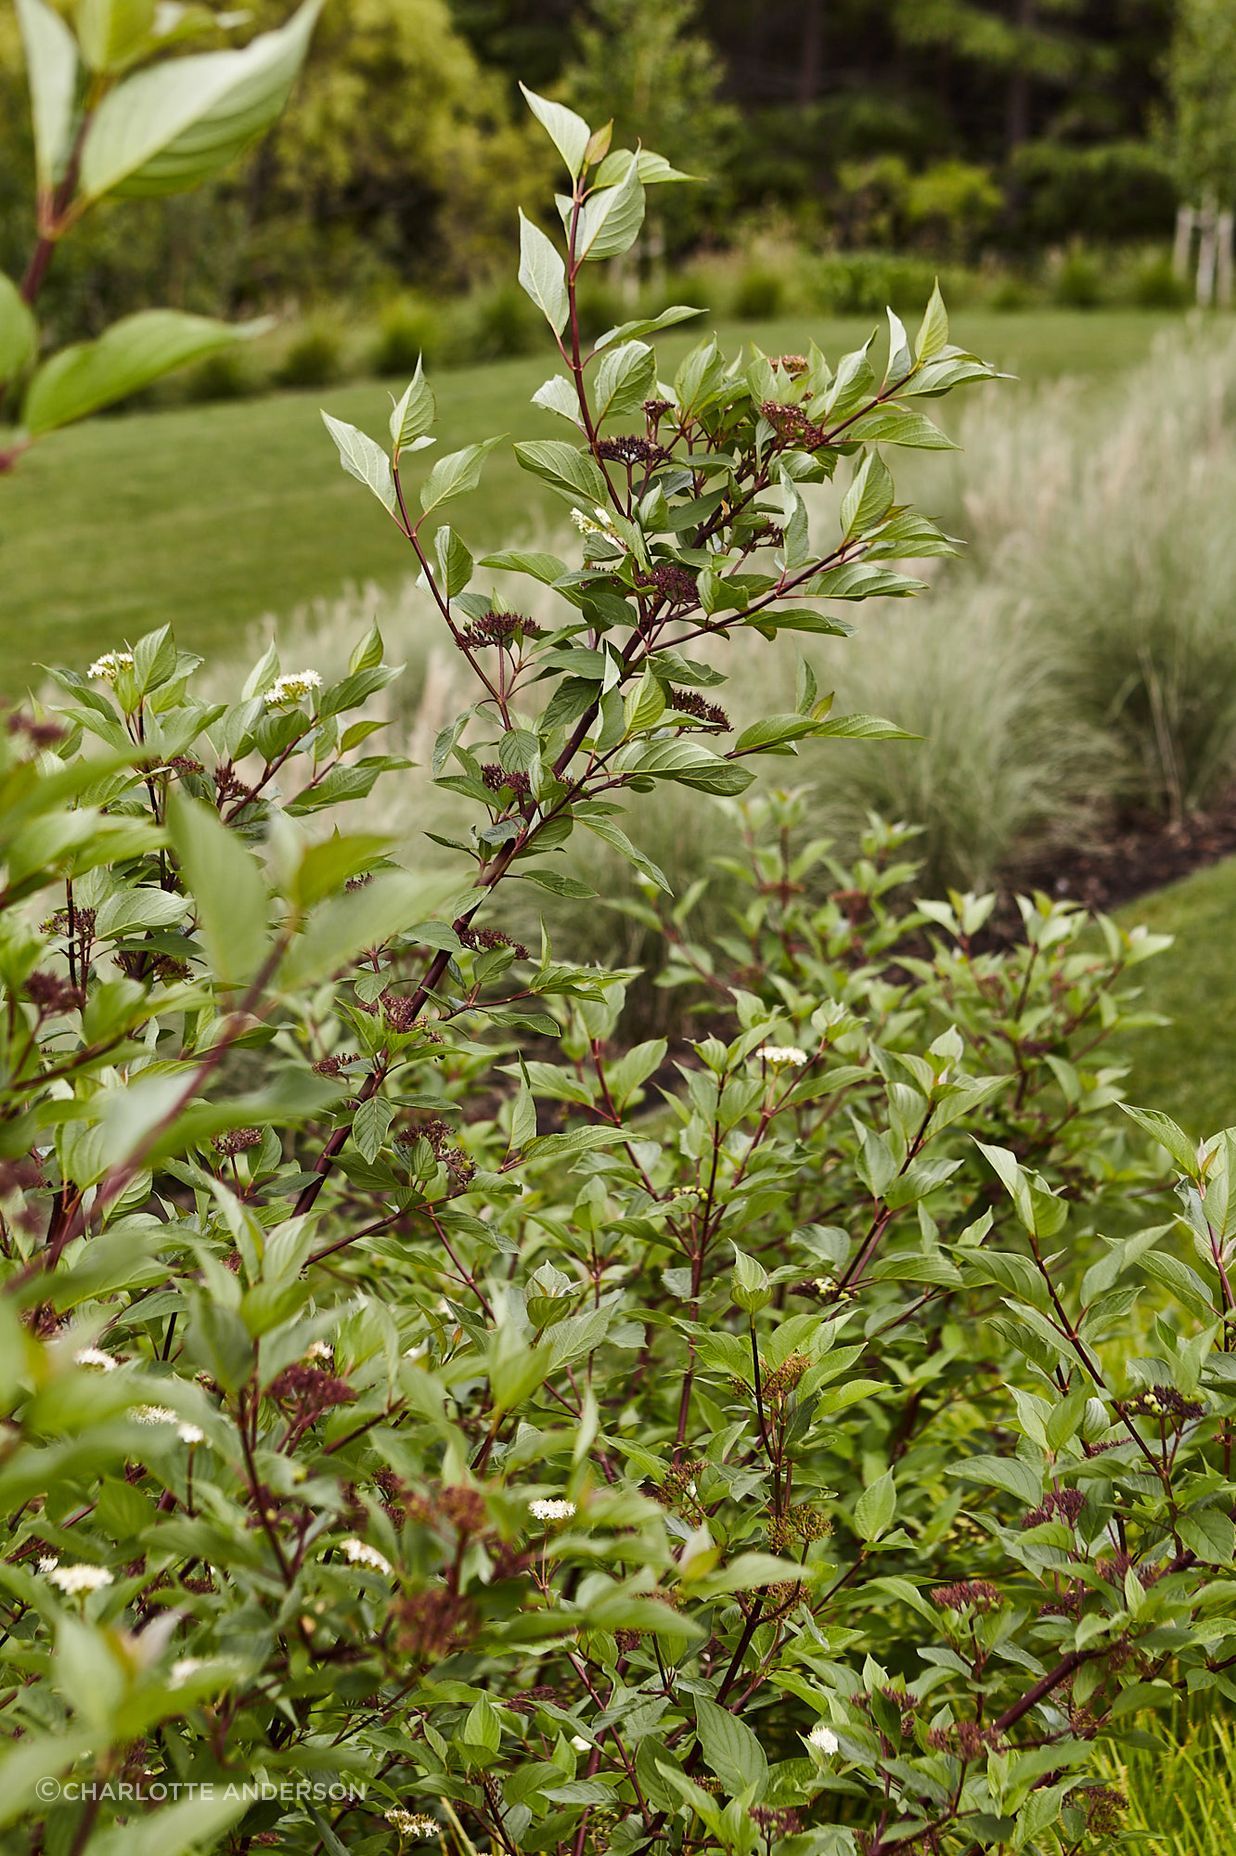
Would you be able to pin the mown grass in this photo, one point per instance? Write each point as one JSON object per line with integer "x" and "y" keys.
{"x": 210, "y": 516}
{"x": 1189, "y": 1068}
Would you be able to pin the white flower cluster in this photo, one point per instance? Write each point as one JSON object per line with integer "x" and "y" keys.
{"x": 600, "y": 522}
{"x": 95, "y": 1356}
{"x": 183, "y": 1668}
{"x": 412, "y": 1823}
{"x": 551, "y": 1510}
{"x": 362, "y": 1554}
{"x": 822, "y": 1739}
{"x": 294, "y": 687}
{"x": 783, "y": 1056}
{"x": 107, "y": 668}
{"x": 160, "y": 1414}
{"x": 74, "y": 1579}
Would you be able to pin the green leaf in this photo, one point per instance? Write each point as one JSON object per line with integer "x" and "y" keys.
{"x": 610, "y": 219}
{"x": 542, "y": 273}
{"x": 1165, "y": 1131}
{"x": 17, "y": 330}
{"x": 730, "y": 1748}
{"x": 869, "y": 498}
{"x": 412, "y": 415}
{"x": 363, "y": 458}
{"x": 454, "y": 562}
{"x": 228, "y": 889}
{"x": 933, "y": 330}
{"x": 614, "y": 835}
{"x": 194, "y": 1823}
{"x": 625, "y": 379}
{"x": 128, "y": 356}
{"x": 168, "y": 128}
{"x": 568, "y": 132}
{"x": 51, "y": 64}
{"x": 455, "y": 474}
{"x": 569, "y": 471}
{"x": 647, "y": 325}
{"x": 36, "y": 1756}
{"x": 691, "y": 765}
{"x": 110, "y": 32}
{"x": 875, "y": 1508}
{"x": 340, "y": 927}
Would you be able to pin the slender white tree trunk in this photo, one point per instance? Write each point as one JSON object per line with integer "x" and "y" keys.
{"x": 1224, "y": 267}
{"x": 1184, "y": 240}
{"x": 1207, "y": 254}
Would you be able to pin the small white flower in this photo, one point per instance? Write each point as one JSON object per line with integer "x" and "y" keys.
{"x": 155, "y": 1414}
{"x": 73, "y": 1579}
{"x": 823, "y": 1739}
{"x": 782, "y": 1056}
{"x": 600, "y": 522}
{"x": 318, "y": 1350}
{"x": 190, "y": 1433}
{"x": 580, "y": 1744}
{"x": 362, "y": 1554}
{"x": 48, "y": 1563}
{"x": 95, "y": 1356}
{"x": 292, "y": 688}
{"x": 107, "y": 668}
{"x": 183, "y": 1668}
{"x": 412, "y": 1823}
{"x": 551, "y": 1511}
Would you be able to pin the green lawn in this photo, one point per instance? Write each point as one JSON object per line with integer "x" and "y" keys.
{"x": 211, "y": 516}
{"x": 1189, "y": 1070}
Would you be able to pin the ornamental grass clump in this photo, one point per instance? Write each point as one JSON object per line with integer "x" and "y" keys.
{"x": 429, "y": 1415}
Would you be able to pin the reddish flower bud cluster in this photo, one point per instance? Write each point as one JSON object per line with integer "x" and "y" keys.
{"x": 965, "y": 1739}
{"x": 306, "y": 1391}
{"x": 485, "y": 940}
{"x": 629, "y": 449}
{"x": 52, "y": 994}
{"x": 236, "y": 1141}
{"x": 690, "y": 702}
{"x": 975, "y": 1594}
{"x": 331, "y": 1066}
{"x": 38, "y": 734}
{"x": 502, "y": 629}
{"x": 675, "y": 584}
{"x": 792, "y": 425}
{"x": 1163, "y": 1402}
{"x": 431, "y": 1624}
{"x": 501, "y": 779}
{"x": 1064, "y": 1505}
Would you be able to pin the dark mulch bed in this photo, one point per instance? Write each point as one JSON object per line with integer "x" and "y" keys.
{"x": 1145, "y": 852}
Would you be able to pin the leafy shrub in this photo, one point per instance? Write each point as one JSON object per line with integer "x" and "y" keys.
{"x": 228, "y": 375}
{"x": 497, "y": 321}
{"x": 759, "y": 294}
{"x": 428, "y": 1418}
{"x": 87, "y": 86}
{"x": 1155, "y": 284}
{"x": 1077, "y": 281}
{"x": 863, "y": 282}
{"x": 1113, "y": 193}
{"x": 313, "y": 358}
{"x": 408, "y": 328}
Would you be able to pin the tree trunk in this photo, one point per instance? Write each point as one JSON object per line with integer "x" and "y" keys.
{"x": 1207, "y": 254}
{"x": 1183, "y": 244}
{"x": 1017, "y": 98}
{"x": 1224, "y": 267}
{"x": 811, "y": 51}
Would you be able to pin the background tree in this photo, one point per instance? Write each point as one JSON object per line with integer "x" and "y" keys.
{"x": 649, "y": 63}
{"x": 1202, "y": 85}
